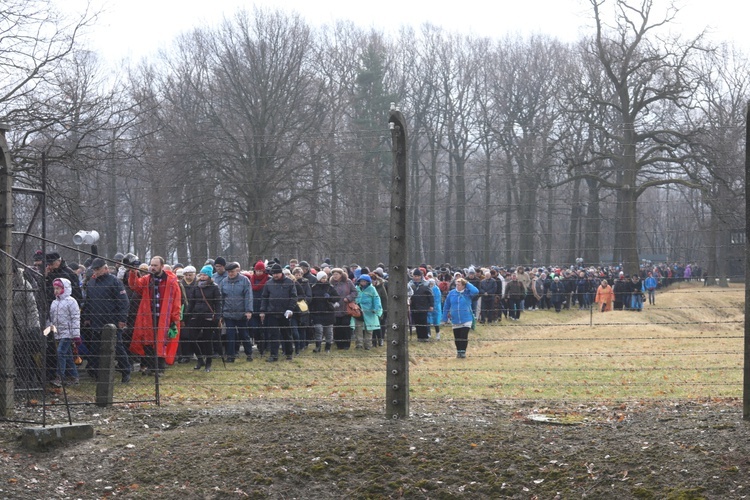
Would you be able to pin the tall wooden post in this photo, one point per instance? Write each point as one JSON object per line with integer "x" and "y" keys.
{"x": 746, "y": 370}
{"x": 397, "y": 377}
{"x": 7, "y": 371}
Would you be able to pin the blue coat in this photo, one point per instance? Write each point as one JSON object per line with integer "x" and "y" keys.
{"x": 237, "y": 297}
{"x": 458, "y": 305}
{"x": 372, "y": 309}
{"x": 434, "y": 316}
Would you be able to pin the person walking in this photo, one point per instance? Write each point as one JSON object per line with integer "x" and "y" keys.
{"x": 557, "y": 292}
{"x": 515, "y": 292}
{"x": 65, "y": 317}
{"x": 279, "y": 298}
{"x": 258, "y": 279}
{"x": 323, "y": 305}
{"x": 422, "y": 302}
{"x": 237, "y": 309}
{"x": 202, "y": 318}
{"x": 649, "y": 284}
{"x": 106, "y": 303}
{"x": 457, "y": 310}
{"x": 369, "y": 302}
{"x": 605, "y": 295}
{"x": 347, "y": 292}
{"x": 156, "y": 330}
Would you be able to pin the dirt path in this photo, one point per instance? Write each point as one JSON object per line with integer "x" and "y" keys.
{"x": 472, "y": 449}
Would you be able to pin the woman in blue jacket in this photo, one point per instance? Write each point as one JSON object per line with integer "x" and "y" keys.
{"x": 435, "y": 316}
{"x": 457, "y": 309}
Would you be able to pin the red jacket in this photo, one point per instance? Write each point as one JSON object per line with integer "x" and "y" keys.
{"x": 170, "y": 305}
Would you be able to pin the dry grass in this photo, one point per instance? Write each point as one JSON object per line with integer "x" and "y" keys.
{"x": 689, "y": 345}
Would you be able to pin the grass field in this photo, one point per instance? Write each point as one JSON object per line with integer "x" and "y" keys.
{"x": 689, "y": 345}
{"x": 569, "y": 405}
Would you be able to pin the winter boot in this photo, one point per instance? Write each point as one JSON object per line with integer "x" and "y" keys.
{"x": 208, "y": 364}
{"x": 200, "y": 362}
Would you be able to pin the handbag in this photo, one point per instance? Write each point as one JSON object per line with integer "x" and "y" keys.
{"x": 353, "y": 310}
{"x": 213, "y": 314}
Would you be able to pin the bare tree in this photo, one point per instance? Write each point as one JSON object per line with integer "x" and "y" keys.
{"x": 529, "y": 77}
{"x": 720, "y": 114}
{"x": 458, "y": 69}
{"x": 650, "y": 84}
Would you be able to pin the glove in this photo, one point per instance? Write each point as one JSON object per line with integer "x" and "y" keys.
{"x": 288, "y": 314}
{"x": 336, "y": 305}
{"x": 77, "y": 341}
{"x": 172, "y": 333}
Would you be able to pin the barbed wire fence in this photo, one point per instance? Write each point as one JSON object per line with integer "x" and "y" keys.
{"x": 689, "y": 344}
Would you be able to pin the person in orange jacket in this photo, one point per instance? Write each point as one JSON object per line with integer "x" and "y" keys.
{"x": 604, "y": 296}
{"x": 161, "y": 302}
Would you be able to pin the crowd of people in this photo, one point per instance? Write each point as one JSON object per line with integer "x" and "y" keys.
{"x": 173, "y": 313}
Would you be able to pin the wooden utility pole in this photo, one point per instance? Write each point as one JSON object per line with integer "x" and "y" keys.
{"x": 397, "y": 377}
{"x": 7, "y": 370}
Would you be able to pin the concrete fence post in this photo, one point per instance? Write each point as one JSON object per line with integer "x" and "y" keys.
{"x": 105, "y": 385}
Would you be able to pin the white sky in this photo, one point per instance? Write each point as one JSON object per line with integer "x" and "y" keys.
{"x": 133, "y": 29}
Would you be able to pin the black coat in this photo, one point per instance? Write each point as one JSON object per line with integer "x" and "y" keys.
{"x": 203, "y": 302}
{"x": 321, "y": 304}
{"x": 422, "y": 300}
{"x": 278, "y": 296}
{"x": 106, "y": 302}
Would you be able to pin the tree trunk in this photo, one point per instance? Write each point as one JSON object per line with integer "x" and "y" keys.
{"x": 592, "y": 231}
{"x": 575, "y": 222}
{"x": 487, "y": 236}
{"x": 627, "y": 240}
{"x": 449, "y": 243}
{"x": 526, "y": 223}
{"x": 460, "y": 212}
{"x": 508, "y": 258}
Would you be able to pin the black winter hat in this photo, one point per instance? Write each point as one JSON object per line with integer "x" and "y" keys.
{"x": 97, "y": 263}
{"x": 220, "y": 261}
{"x": 276, "y": 268}
{"x": 52, "y": 257}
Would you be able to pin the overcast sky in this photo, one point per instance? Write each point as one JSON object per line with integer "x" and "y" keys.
{"x": 133, "y": 29}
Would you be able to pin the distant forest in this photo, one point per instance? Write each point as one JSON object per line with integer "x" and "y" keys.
{"x": 265, "y": 137}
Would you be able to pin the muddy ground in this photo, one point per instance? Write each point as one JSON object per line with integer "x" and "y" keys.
{"x": 447, "y": 449}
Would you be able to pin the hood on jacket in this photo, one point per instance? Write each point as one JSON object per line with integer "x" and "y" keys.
{"x": 67, "y": 287}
